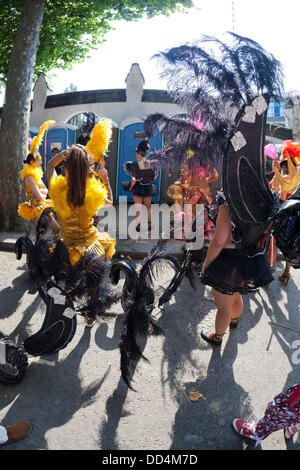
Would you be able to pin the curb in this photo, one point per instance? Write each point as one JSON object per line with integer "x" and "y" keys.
{"x": 7, "y": 244}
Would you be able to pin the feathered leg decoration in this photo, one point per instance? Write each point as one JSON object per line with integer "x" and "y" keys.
{"x": 138, "y": 303}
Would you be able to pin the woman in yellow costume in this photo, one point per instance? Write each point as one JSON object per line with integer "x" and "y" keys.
{"x": 76, "y": 198}
{"x": 31, "y": 176}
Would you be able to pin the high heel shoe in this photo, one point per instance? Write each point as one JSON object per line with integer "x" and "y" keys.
{"x": 285, "y": 277}
{"x": 234, "y": 322}
{"x": 214, "y": 339}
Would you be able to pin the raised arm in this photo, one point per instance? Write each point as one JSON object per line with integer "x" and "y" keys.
{"x": 56, "y": 160}
{"x": 103, "y": 175}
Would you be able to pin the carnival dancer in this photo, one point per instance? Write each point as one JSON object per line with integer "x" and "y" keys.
{"x": 199, "y": 179}
{"x": 142, "y": 178}
{"x": 76, "y": 199}
{"x": 229, "y": 97}
{"x": 230, "y": 273}
{"x": 285, "y": 182}
{"x": 36, "y": 190}
{"x": 198, "y": 189}
{"x": 271, "y": 157}
{"x": 192, "y": 188}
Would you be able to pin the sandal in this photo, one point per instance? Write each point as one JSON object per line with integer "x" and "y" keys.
{"x": 234, "y": 322}
{"x": 285, "y": 277}
{"x": 90, "y": 321}
{"x": 214, "y": 339}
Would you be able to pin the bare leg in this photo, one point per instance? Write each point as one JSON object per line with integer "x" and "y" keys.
{"x": 147, "y": 202}
{"x": 229, "y": 307}
{"x": 138, "y": 202}
{"x": 237, "y": 309}
{"x": 286, "y": 275}
{"x": 225, "y": 305}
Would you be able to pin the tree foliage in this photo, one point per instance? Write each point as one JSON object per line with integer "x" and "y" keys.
{"x": 71, "y": 28}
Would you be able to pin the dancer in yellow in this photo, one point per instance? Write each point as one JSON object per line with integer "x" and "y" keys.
{"x": 285, "y": 182}
{"x": 31, "y": 176}
{"x": 76, "y": 199}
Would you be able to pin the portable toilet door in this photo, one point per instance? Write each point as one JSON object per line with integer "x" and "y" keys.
{"x": 127, "y": 145}
{"x": 60, "y": 137}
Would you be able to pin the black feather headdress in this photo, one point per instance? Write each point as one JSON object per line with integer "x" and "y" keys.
{"x": 211, "y": 81}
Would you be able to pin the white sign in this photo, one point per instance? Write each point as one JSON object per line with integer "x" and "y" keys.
{"x": 55, "y": 145}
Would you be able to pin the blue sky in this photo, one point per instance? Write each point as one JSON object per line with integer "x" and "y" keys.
{"x": 273, "y": 23}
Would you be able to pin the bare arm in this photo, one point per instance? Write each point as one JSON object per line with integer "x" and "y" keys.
{"x": 132, "y": 183}
{"x": 56, "y": 160}
{"x": 31, "y": 184}
{"x": 103, "y": 175}
{"x": 221, "y": 236}
{"x": 213, "y": 176}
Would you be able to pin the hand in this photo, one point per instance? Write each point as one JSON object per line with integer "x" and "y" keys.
{"x": 44, "y": 191}
{"x": 103, "y": 175}
{"x": 276, "y": 165}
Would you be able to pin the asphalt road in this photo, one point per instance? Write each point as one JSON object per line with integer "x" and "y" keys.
{"x": 76, "y": 399}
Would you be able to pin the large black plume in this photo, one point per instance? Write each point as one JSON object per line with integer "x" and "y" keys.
{"x": 138, "y": 306}
{"x": 211, "y": 81}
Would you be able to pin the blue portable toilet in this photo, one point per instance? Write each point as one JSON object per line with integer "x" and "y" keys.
{"x": 60, "y": 137}
{"x": 127, "y": 146}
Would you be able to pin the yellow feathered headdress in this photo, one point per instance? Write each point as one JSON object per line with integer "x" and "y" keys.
{"x": 100, "y": 139}
{"x": 294, "y": 178}
{"x": 38, "y": 139}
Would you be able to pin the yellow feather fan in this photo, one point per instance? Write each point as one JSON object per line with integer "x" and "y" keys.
{"x": 99, "y": 141}
{"x": 37, "y": 140}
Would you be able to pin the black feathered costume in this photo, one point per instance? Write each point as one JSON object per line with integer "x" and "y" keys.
{"x": 225, "y": 90}
{"x": 144, "y": 186}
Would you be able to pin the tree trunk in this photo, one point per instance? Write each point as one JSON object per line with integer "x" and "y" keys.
{"x": 16, "y": 114}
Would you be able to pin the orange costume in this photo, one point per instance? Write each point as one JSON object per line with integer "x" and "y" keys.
{"x": 202, "y": 190}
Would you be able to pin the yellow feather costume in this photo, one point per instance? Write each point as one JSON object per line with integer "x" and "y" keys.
{"x": 37, "y": 140}
{"x": 99, "y": 141}
{"x": 290, "y": 185}
{"x": 78, "y": 232}
{"x": 33, "y": 208}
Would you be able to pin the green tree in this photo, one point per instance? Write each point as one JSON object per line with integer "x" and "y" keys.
{"x": 36, "y": 36}
{"x": 70, "y": 88}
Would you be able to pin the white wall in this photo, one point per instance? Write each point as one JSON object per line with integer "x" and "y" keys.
{"x": 119, "y": 112}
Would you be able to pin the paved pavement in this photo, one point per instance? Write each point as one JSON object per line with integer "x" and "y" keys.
{"x": 76, "y": 399}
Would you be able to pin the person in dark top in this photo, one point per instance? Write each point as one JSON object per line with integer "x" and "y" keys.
{"x": 142, "y": 177}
